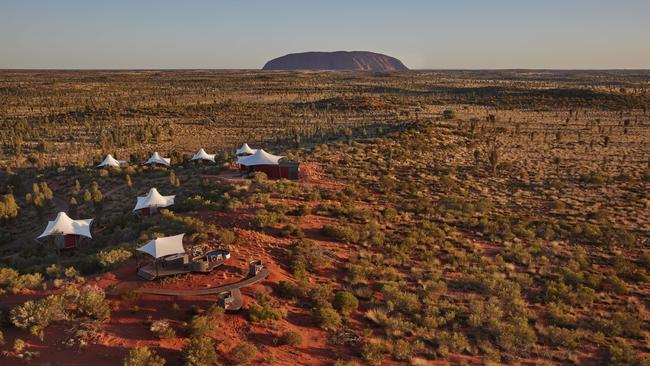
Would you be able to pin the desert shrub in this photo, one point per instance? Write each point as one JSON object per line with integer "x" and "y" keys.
{"x": 301, "y": 210}
{"x": 450, "y": 342}
{"x": 290, "y": 338}
{"x": 557, "y": 336}
{"x": 327, "y": 318}
{"x": 162, "y": 329}
{"x": 37, "y": 315}
{"x": 263, "y": 312}
{"x": 289, "y": 290}
{"x": 321, "y": 295}
{"x": 108, "y": 259}
{"x": 306, "y": 255}
{"x": 345, "y": 302}
{"x": 342, "y": 233}
{"x": 15, "y": 282}
{"x": 620, "y": 353}
{"x": 448, "y": 114}
{"x": 264, "y": 218}
{"x": 200, "y": 325}
{"x": 199, "y": 351}
{"x": 242, "y": 354}
{"x": 373, "y": 352}
{"x": 400, "y": 300}
{"x": 290, "y": 230}
{"x": 226, "y": 236}
{"x": 2, "y": 339}
{"x": 92, "y": 303}
{"x": 594, "y": 178}
{"x": 401, "y": 350}
{"x": 142, "y": 356}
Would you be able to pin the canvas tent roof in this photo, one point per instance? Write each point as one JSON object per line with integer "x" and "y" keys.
{"x": 161, "y": 247}
{"x": 109, "y": 160}
{"x": 157, "y": 159}
{"x": 202, "y": 155}
{"x": 260, "y": 157}
{"x": 245, "y": 149}
{"x": 153, "y": 199}
{"x": 63, "y": 224}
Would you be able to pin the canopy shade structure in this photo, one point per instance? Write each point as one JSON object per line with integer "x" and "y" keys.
{"x": 260, "y": 157}
{"x": 63, "y": 224}
{"x": 245, "y": 150}
{"x": 202, "y": 155}
{"x": 157, "y": 159}
{"x": 153, "y": 199}
{"x": 161, "y": 247}
{"x": 110, "y": 161}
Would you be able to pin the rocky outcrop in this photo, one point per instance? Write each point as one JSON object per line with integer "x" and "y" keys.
{"x": 339, "y": 60}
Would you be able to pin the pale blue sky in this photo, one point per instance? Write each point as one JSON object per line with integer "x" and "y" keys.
{"x": 246, "y": 33}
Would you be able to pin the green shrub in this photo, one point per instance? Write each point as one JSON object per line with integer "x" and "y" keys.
{"x": 37, "y": 315}
{"x": 373, "y": 352}
{"x": 345, "y": 302}
{"x": 257, "y": 313}
{"x": 342, "y": 233}
{"x": 109, "y": 259}
{"x": 242, "y": 354}
{"x": 327, "y": 318}
{"x": 92, "y": 303}
{"x": 199, "y": 351}
{"x": 290, "y": 338}
{"x": 201, "y": 325}
{"x": 226, "y": 236}
{"x": 142, "y": 356}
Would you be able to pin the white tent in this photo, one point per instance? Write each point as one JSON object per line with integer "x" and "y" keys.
{"x": 161, "y": 247}
{"x": 260, "y": 157}
{"x": 202, "y": 155}
{"x": 63, "y": 224}
{"x": 245, "y": 149}
{"x": 157, "y": 159}
{"x": 109, "y": 160}
{"x": 153, "y": 199}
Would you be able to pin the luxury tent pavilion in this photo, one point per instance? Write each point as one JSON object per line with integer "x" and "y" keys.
{"x": 273, "y": 166}
{"x": 152, "y": 201}
{"x": 245, "y": 150}
{"x": 156, "y": 159}
{"x": 110, "y": 161}
{"x": 201, "y": 155}
{"x": 170, "y": 258}
{"x": 66, "y": 232}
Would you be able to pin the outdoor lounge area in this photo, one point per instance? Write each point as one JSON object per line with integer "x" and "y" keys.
{"x": 170, "y": 258}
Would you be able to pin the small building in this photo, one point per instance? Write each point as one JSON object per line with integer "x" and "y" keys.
{"x": 245, "y": 150}
{"x": 274, "y": 166}
{"x": 156, "y": 159}
{"x": 255, "y": 267}
{"x": 202, "y": 156}
{"x": 150, "y": 203}
{"x": 65, "y": 233}
{"x": 111, "y": 162}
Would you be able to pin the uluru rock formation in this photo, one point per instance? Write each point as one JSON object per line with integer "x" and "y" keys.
{"x": 339, "y": 60}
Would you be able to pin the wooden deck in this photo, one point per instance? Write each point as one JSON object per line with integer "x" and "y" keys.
{"x": 150, "y": 273}
{"x": 263, "y": 273}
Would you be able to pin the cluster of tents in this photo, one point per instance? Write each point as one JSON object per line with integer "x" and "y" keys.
{"x": 249, "y": 160}
{"x": 66, "y": 232}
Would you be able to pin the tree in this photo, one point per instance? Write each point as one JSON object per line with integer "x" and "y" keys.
{"x": 494, "y": 159}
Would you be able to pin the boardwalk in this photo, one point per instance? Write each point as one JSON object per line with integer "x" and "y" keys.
{"x": 263, "y": 273}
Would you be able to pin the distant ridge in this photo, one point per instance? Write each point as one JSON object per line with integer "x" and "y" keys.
{"x": 338, "y": 60}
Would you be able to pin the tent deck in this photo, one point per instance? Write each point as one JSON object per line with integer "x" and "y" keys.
{"x": 150, "y": 273}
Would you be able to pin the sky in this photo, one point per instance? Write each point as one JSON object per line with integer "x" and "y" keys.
{"x": 244, "y": 34}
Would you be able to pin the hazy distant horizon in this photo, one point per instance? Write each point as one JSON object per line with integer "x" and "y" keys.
{"x": 243, "y": 35}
